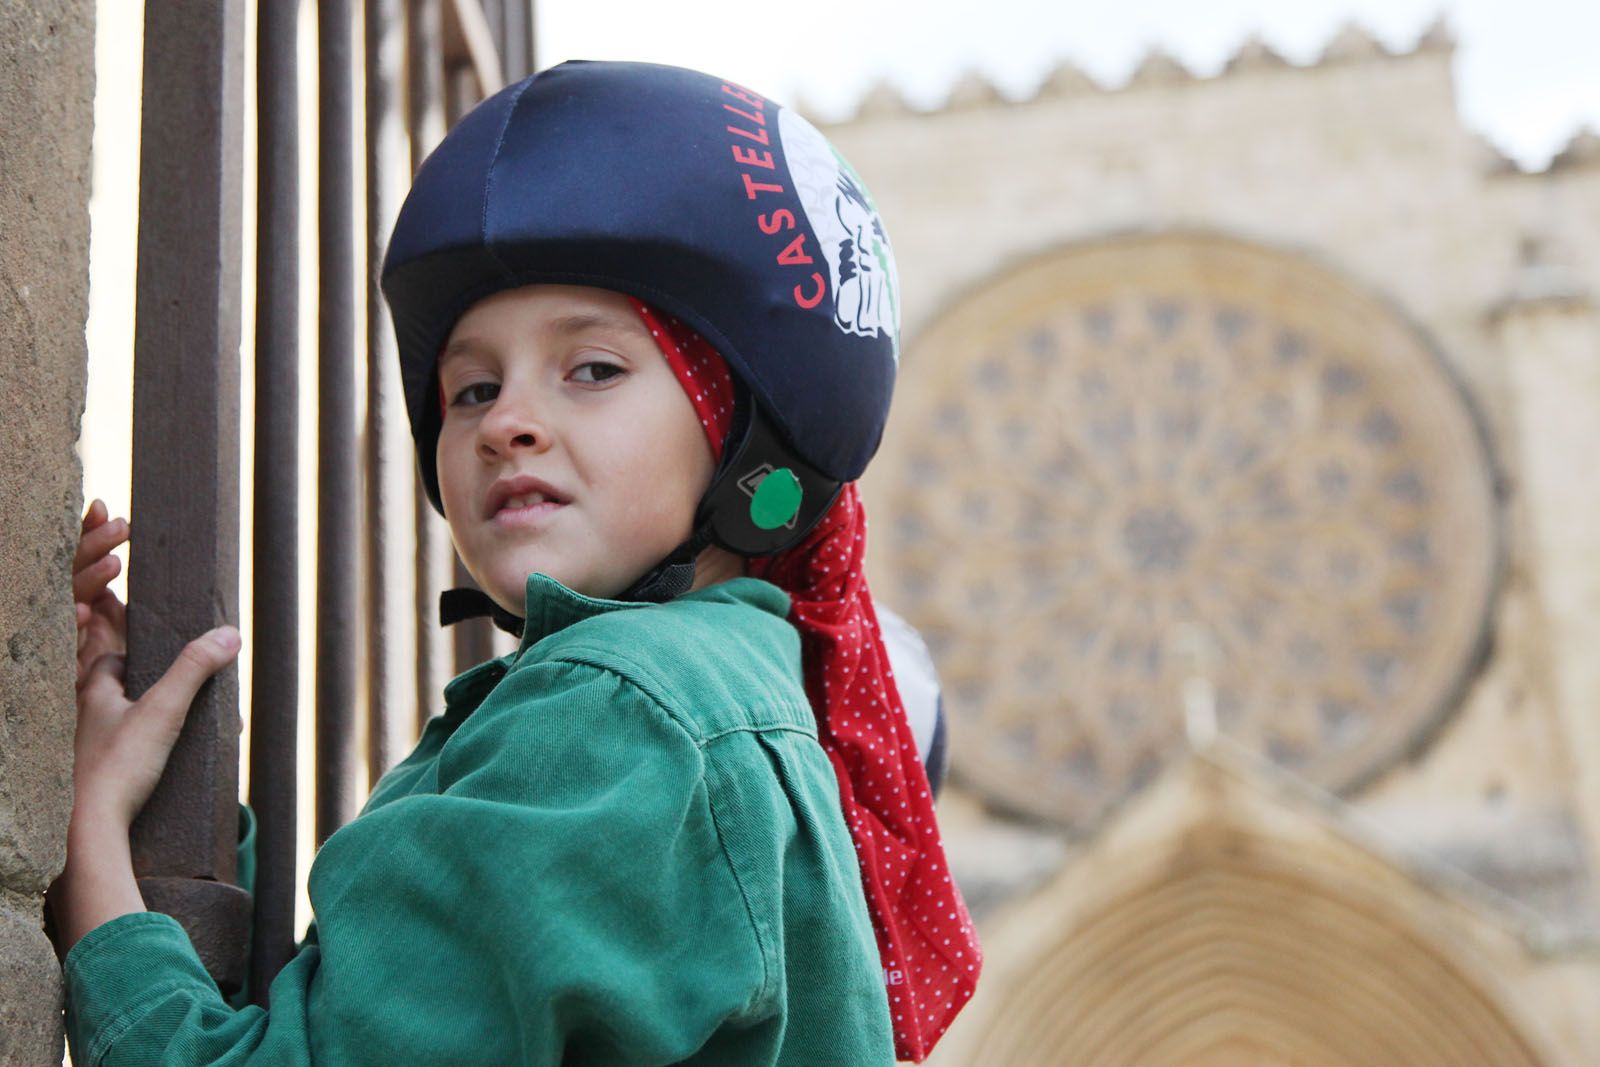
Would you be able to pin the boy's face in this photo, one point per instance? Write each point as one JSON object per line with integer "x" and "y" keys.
{"x": 568, "y": 446}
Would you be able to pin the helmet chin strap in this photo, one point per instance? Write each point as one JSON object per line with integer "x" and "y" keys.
{"x": 672, "y": 577}
{"x": 470, "y": 602}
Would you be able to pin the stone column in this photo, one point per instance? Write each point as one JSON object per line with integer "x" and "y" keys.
{"x": 46, "y": 118}
{"x": 1550, "y": 334}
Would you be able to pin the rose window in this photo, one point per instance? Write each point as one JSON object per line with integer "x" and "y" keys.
{"x": 1165, "y": 484}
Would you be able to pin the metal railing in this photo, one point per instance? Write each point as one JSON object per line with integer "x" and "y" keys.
{"x": 424, "y": 63}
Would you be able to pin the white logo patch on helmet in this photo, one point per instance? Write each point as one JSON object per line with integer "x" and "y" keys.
{"x": 841, "y": 213}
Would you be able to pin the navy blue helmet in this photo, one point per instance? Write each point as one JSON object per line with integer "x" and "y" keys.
{"x": 697, "y": 196}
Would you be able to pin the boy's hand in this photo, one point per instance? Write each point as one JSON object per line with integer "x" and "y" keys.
{"x": 122, "y": 746}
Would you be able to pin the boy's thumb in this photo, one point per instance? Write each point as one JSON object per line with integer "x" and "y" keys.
{"x": 197, "y": 661}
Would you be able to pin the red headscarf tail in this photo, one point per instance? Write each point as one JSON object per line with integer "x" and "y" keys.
{"x": 929, "y": 949}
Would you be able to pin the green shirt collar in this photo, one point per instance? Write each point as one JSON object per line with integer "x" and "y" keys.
{"x": 550, "y": 607}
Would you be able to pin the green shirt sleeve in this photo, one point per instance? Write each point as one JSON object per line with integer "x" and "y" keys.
{"x": 565, "y": 896}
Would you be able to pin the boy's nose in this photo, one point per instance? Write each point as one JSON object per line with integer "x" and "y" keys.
{"x": 510, "y": 427}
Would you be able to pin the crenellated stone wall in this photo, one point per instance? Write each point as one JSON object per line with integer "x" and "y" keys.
{"x": 46, "y": 118}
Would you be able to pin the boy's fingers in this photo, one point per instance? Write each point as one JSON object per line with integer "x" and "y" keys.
{"x": 115, "y": 612}
{"x": 87, "y": 584}
{"x": 84, "y": 613}
{"x": 94, "y": 514}
{"x": 105, "y": 632}
{"x": 107, "y": 670}
{"x": 97, "y": 542}
{"x": 98, "y": 641}
{"x": 198, "y": 661}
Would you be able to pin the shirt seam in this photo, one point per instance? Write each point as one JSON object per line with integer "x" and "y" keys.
{"x": 488, "y": 181}
{"x": 777, "y": 727}
{"x": 639, "y": 678}
{"x": 744, "y": 898}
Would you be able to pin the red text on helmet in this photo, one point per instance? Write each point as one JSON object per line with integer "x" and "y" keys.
{"x": 809, "y": 293}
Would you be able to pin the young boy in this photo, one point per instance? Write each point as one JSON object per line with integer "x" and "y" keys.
{"x": 647, "y": 331}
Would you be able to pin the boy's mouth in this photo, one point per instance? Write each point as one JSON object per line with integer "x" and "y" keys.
{"x": 520, "y": 493}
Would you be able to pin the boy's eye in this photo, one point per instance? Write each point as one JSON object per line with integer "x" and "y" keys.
{"x": 594, "y": 373}
{"x": 477, "y": 393}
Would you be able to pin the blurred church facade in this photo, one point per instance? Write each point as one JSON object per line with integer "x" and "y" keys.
{"x": 1242, "y": 480}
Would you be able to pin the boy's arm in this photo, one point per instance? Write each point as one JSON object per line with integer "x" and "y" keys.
{"x": 564, "y": 896}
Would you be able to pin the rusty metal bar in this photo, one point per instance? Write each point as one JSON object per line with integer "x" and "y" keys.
{"x": 433, "y": 558}
{"x": 474, "y": 638}
{"x": 337, "y": 501}
{"x": 425, "y": 127}
{"x": 390, "y": 552}
{"x": 183, "y": 578}
{"x": 274, "y": 713}
{"x": 494, "y": 16}
{"x": 516, "y": 39}
{"x": 425, "y": 77}
{"x": 460, "y": 91}
{"x": 469, "y": 41}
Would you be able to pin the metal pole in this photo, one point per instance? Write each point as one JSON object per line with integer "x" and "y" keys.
{"x": 391, "y": 555}
{"x": 337, "y": 503}
{"x": 516, "y": 42}
{"x": 184, "y": 571}
{"x": 425, "y": 120}
{"x": 274, "y": 713}
{"x": 474, "y": 638}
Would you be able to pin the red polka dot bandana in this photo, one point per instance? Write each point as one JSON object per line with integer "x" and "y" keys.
{"x": 701, "y": 371}
{"x": 930, "y": 951}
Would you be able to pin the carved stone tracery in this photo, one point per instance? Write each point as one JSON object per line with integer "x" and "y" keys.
{"x": 1175, "y": 479}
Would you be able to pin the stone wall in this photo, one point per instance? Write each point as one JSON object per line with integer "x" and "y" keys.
{"x": 46, "y": 118}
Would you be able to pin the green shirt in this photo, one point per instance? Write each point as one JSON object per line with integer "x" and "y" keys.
{"x": 621, "y": 844}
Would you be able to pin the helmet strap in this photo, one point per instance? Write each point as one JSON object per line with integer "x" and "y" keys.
{"x": 672, "y": 577}
{"x": 469, "y": 602}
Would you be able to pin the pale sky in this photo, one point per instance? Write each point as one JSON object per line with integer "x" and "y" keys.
{"x": 1527, "y": 72}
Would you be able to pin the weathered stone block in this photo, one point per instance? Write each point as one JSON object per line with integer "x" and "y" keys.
{"x": 46, "y": 120}
{"x": 30, "y": 1007}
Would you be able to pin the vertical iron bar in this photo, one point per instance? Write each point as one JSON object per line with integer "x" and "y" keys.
{"x": 494, "y": 14}
{"x": 425, "y": 84}
{"x": 474, "y": 638}
{"x": 390, "y": 556}
{"x": 274, "y": 718}
{"x": 425, "y": 121}
{"x": 460, "y": 92}
{"x": 337, "y": 503}
{"x": 532, "y": 35}
{"x": 516, "y": 40}
{"x": 184, "y": 577}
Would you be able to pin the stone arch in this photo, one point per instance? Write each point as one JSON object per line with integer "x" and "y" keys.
{"x": 1151, "y": 460}
{"x": 1246, "y": 950}
{"x": 1214, "y": 923}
